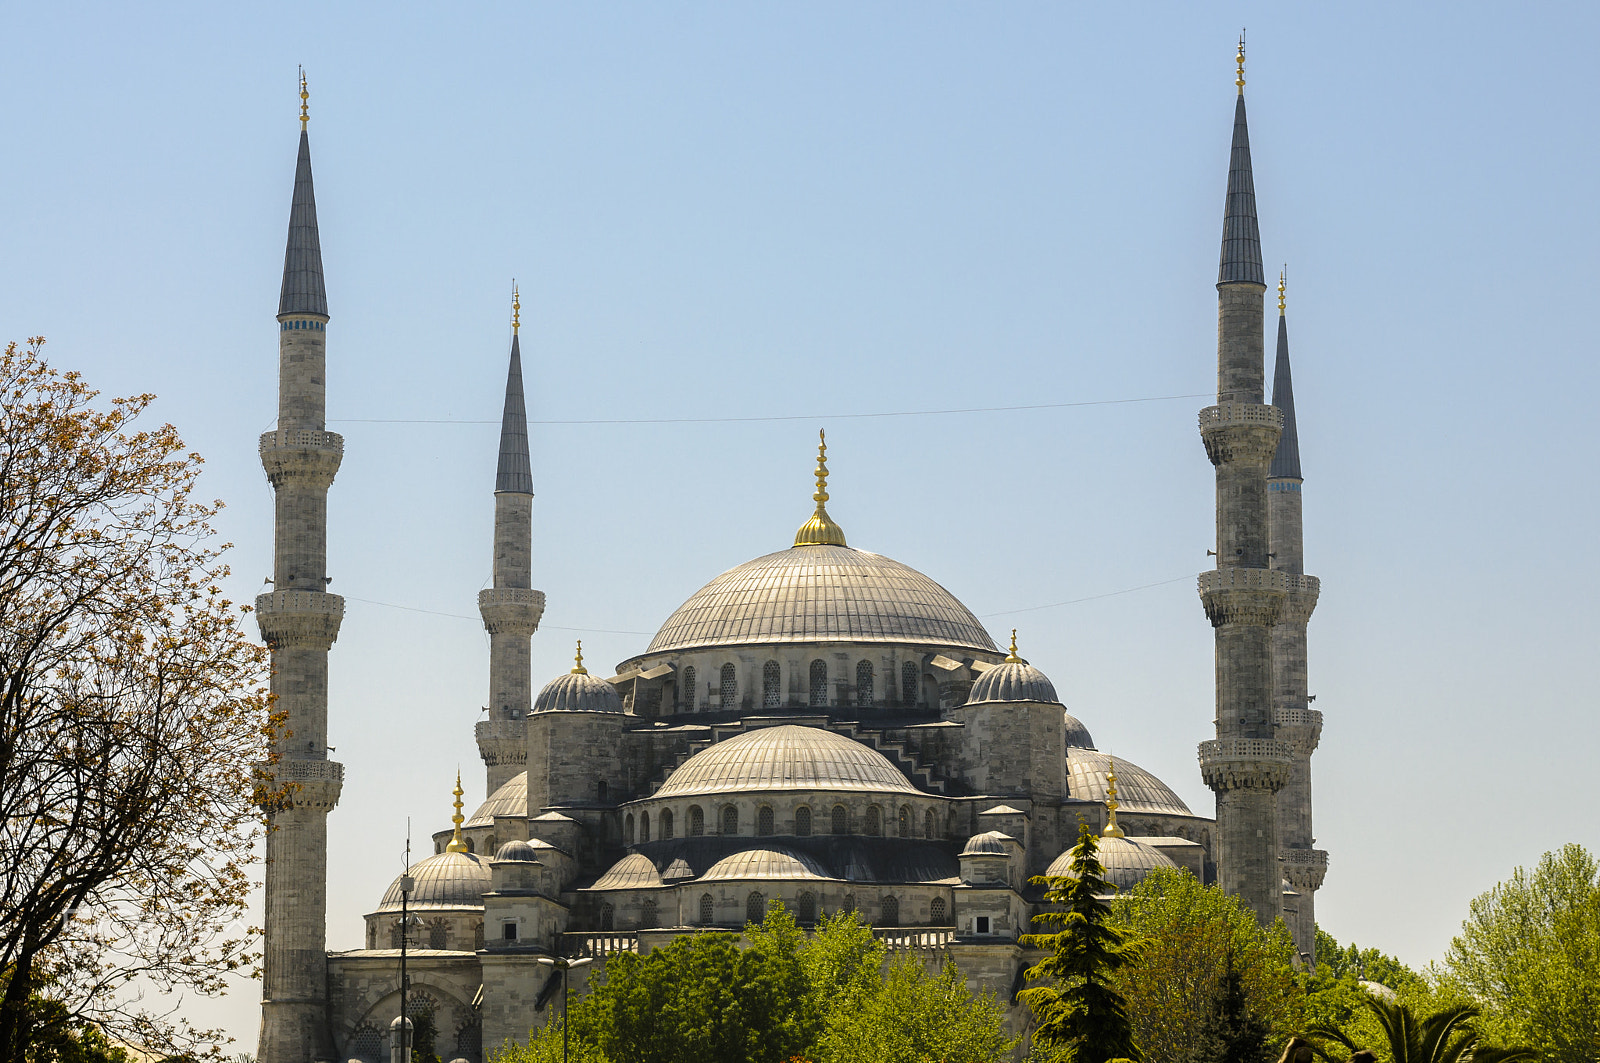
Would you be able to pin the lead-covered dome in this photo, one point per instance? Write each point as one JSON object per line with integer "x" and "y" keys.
{"x": 764, "y": 864}
{"x": 1126, "y": 861}
{"x": 446, "y": 880}
{"x": 510, "y": 800}
{"x": 816, "y": 593}
{"x": 575, "y": 692}
{"x": 1013, "y": 681}
{"x": 789, "y": 757}
{"x": 1137, "y": 789}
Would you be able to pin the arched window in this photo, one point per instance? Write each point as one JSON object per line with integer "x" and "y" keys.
{"x": 647, "y": 915}
{"x": 608, "y": 917}
{"x": 470, "y": 847}
{"x": 477, "y": 936}
{"x": 372, "y": 935}
{"x": 904, "y": 822}
{"x": 697, "y": 821}
{"x": 688, "y": 697}
{"x": 601, "y": 790}
{"x": 874, "y": 820}
{"x": 928, "y": 828}
{"x": 708, "y": 910}
{"x": 764, "y": 820}
{"x": 438, "y": 934}
{"x": 730, "y": 686}
{"x": 627, "y": 829}
{"x": 910, "y": 678}
{"x": 802, "y": 821}
{"x": 396, "y": 935}
{"x": 808, "y": 908}
{"x": 936, "y": 911}
{"x": 819, "y": 684}
{"x": 730, "y": 820}
{"x": 644, "y": 826}
{"x": 771, "y": 685}
{"x": 755, "y": 908}
{"x": 849, "y": 903}
{"x": 891, "y": 912}
{"x": 666, "y": 824}
{"x": 953, "y": 826}
{"x": 863, "y": 682}
{"x": 841, "y": 820}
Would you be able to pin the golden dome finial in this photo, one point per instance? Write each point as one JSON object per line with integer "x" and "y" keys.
{"x": 1013, "y": 658}
{"x": 578, "y": 668}
{"x": 1239, "y": 80}
{"x": 1282, "y": 275}
{"x": 305, "y": 111}
{"x": 457, "y": 843}
{"x": 820, "y": 530}
{"x": 1112, "y": 830}
{"x": 516, "y": 307}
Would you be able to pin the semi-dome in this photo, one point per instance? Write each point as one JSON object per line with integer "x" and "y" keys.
{"x": 1126, "y": 861}
{"x": 818, "y": 593}
{"x": 789, "y": 757}
{"x": 577, "y": 691}
{"x": 510, "y": 800}
{"x": 1137, "y": 789}
{"x": 1013, "y": 681}
{"x": 632, "y": 872}
{"x": 446, "y": 880}
{"x": 765, "y": 864}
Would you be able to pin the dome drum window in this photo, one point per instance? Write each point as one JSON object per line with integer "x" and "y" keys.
{"x": 864, "y": 683}
{"x": 764, "y": 820}
{"x": 730, "y": 820}
{"x": 819, "y": 684}
{"x": 874, "y": 825}
{"x": 802, "y": 821}
{"x": 771, "y": 685}
{"x": 904, "y": 821}
{"x": 729, "y": 688}
{"x": 666, "y": 824}
{"x": 806, "y": 908}
{"x": 697, "y": 821}
{"x": 708, "y": 910}
{"x": 910, "y": 680}
{"x": 688, "y": 694}
{"x": 644, "y": 826}
{"x": 755, "y": 908}
{"x": 841, "y": 820}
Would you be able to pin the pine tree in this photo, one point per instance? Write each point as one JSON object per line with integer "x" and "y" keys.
{"x": 1230, "y": 1032}
{"x": 1080, "y": 1014}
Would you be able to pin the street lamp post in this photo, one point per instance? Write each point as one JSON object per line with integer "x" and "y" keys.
{"x": 400, "y": 1045}
{"x": 564, "y": 965}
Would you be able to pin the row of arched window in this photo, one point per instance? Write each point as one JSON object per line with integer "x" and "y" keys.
{"x": 436, "y": 934}
{"x": 755, "y": 909}
{"x": 766, "y": 823}
{"x": 819, "y": 694}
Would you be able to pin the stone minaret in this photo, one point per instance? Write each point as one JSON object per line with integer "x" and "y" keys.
{"x": 511, "y": 608}
{"x": 1245, "y": 765}
{"x": 299, "y": 621}
{"x": 1299, "y": 725}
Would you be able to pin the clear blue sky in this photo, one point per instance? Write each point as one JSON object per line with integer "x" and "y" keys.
{"x": 726, "y": 210}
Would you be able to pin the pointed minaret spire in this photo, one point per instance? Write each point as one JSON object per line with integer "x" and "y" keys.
{"x": 1286, "y": 460}
{"x": 515, "y": 470}
{"x": 302, "y": 258}
{"x": 1241, "y": 233}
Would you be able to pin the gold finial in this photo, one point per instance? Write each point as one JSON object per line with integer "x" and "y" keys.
{"x": 820, "y": 530}
{"x": 516, "y": 308}
{"x": 1282, "y": 274}
{"x": 457, "y": 844}
{"x": 1112, "y": 830}
{"x": 1013, "y": 658}
{"x": 305, "y": 113}
{"x": 578, "y": 668}
{"x": 1239, "y": 80}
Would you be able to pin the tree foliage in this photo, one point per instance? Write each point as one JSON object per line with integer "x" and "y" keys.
{"x": 1231, "y": 1031}
{"x": 1529, "y": 955}
{"x": 130, "y": 700}
{"x": 1082, "y": 1014}
{"x": 1448, "y": 1035}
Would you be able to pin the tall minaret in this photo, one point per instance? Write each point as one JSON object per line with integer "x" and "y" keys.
{"x": 511, "y": 608}
{"x": 299, "y": 621}
{"x": 1245, "y": 765}
{"x": 1299, "y": 725}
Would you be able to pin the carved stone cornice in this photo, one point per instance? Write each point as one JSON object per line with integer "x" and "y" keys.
{"x": 1305, "y": 868}
{"x": 1243, "y": 595}
{"x": 503, "y": 742}
{"x": 308, "y": 619}
{"x": 1300, "y": 729}
{"x": 1244, "y": 433}
{"x": 1245, "y": 764}
{"x": 313, "y": 784}
{"x": 301, "y": 456}
{"x": 1300, "y": 598}
{"x": 510, "y": 610}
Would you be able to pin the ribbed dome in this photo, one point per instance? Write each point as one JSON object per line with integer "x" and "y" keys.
{"x": 1013, "y": 682}
{"x": 516, "y": 851}
{"x": 1126, "y": 861}
{"x": 575, "y": 691}
{"x": 821, "y": 594}
{"x": 1077, "y": 733}
{"x": 989, "y": 843}
{"x": 765, "y": 864}
{"x": 510, "y": 800}
{"x": 1137, "y": 789}
{"x": 447, "y": 880}
{"x": 785, "y": 758}
{"x": 634, "y": 871}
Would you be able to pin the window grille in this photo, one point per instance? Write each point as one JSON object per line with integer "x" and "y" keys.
{"x": 910, "y": 678}
{"x": 841, "y": 820}
{"x": 904, "y": 824}
{"x": 849, "y": 902}
{"x": 764, "y": 820}
{"x": 730, "y": 820}
{"x": 874, "y": 821}
{"x": 697, "y": 821}
{"x": 688, "y": 695}
{"x": 647, "y": 917}
{"x": 891, "y": 912}
{"x": 477, "y": 936}
{"x": 438, "y": 934}
{"x": 936, "y": 911}
{"x": 819, "y": 684}
{"x": 864, "y": 683}
{"x": 808, "y": 907}
{"x": 730, "y": 686}
{"x": 802, "y": 821}
{"x": 608, "y": 917}
{"x": 755, "y": 908}
{"x": 928, "y": 828}
{"x": 644, "y": 826}
{"x": 708, "y": 910}
{"x": 666, "y": 824}
{"x": 627, "y": 829}
{"x": 600, "y": 790}
{"x": 771, "y": 685}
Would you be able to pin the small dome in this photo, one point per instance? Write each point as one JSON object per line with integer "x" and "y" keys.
{"x": 789, "y": 757}
{"x": 677, "y": 871}
{"x": 989, "y": 843}
{"x": 447, "y": 880}
{"x": 765, "y": 864}
{"x": 1077, "y": 733}
{"x": 1126, "y": 861}
{"x": 576, "y": 691}
{"x": 510, "y": 800}
{"x": 632, "y": 872}
{"x": 1013, "y": 681}
{"x": 1137, "y": 789}
{"x": 516, "y": 851}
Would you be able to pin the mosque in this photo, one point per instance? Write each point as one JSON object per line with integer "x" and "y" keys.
{"x": 821, "y": 726}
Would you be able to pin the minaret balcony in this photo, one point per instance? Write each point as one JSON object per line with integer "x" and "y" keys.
{"x": 1242, "y": 432}
{"x": 511, "y": 610}
{"x": 1245, "y": 595}
{"x": 1305, "y": 868}
{"x": 1299, "y": 728}
{"x": 306, "y": 619}
{"x": 301, "y": 455}
{"x": 502, "y": 742}
{"x": 1300, "y": 599}
{"x": 1245, "y": 764}
{"x": 309, "y": 784}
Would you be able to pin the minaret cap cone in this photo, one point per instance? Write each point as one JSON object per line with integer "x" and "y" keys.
{"x": 457, "y": 843}
{"x": 820, "y": 530}
{"x": 577, "y": 667}
{"x": 1112, "y": 830}
{"x": 1241, "y": 232}
{"x": 1012, "y": 658}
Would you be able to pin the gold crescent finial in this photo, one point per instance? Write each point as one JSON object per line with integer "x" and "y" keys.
{"x": 1239, "y": 79}
{"x": 578, "y": 668}
{"x": 1282, "y": 276}
{"x": 305, "y": 111}
{"x": 516, "y": 307}
{"x": 1013, "y": 658}
{"x": 457, "y": 843}
{"x": 820, "y": 530}
{"x": 1112, "y": 830}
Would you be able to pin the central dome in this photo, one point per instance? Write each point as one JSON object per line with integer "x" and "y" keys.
{"x": 785, "y": 758}
{"x": 821, "y": 594}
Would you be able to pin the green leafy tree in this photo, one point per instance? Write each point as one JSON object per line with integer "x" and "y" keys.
{"x": 910, "y": 1016}
{"x": 1445, "y": 1036}
{"x": 424, "y": 1034}
{"x": 1231, "y": 1031}
{"x": 1363, "y": 965}
{"x": 1529, "y": 955}
{"x": 1082, "y": 1015}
